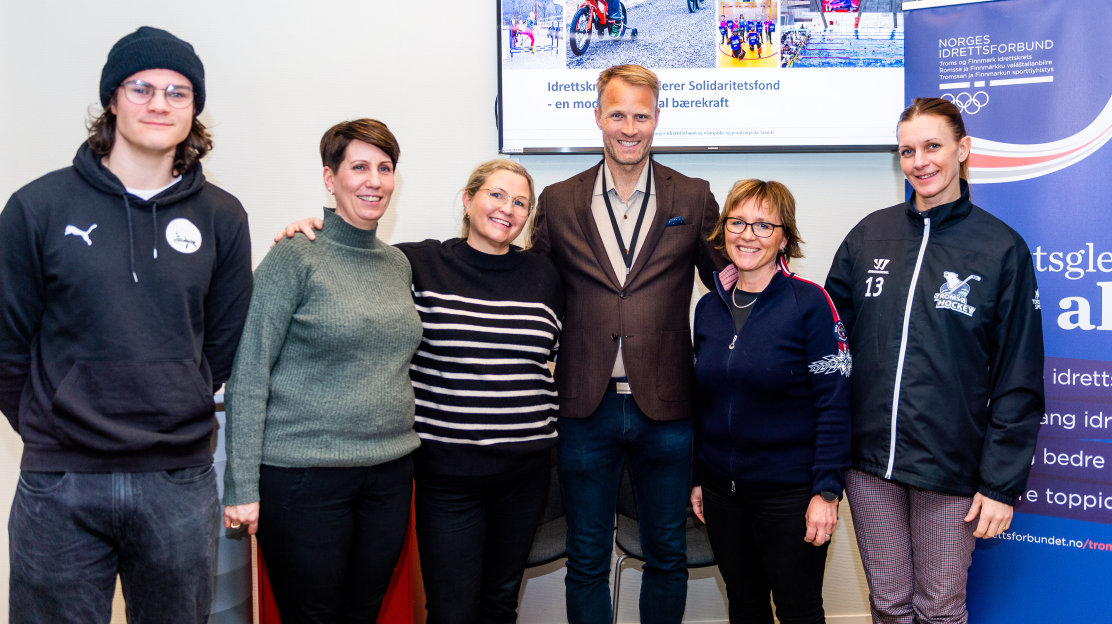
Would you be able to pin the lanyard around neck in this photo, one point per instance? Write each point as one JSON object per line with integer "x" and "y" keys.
{"x": 627, "y": 252}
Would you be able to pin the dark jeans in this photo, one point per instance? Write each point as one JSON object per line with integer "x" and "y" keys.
{"x": 332, "y": 536}
{"x": 757, "y": 537}
{"x": 592, "y": 451}
{"x": 474, "y": 534}
{"x": 70, "y": 534}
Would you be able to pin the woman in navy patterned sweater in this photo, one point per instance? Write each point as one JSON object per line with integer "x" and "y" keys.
{"x": 772, "y": 428}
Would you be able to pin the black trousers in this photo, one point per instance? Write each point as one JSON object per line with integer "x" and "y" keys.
{"x": 757, "y": 534}
{"x": 331, "y": 538}
{"x": 474, "y": 534}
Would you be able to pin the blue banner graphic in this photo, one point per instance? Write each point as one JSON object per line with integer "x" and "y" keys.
{"x": 1031, "y": 79}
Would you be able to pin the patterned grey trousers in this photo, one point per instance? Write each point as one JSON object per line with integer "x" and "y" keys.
{"x": 916, "y": 549}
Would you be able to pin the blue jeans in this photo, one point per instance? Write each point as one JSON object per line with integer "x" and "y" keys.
{"x": 70, "y": 533}
{"x": 592, "y": 451}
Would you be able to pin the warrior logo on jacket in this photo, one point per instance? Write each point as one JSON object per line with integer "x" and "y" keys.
{"x": 954, "y": 294}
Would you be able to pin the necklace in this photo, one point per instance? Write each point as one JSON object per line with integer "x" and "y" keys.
{"x": 733, "y": 297}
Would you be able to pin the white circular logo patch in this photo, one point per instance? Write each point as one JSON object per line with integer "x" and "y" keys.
{"x": 183, "y": 236}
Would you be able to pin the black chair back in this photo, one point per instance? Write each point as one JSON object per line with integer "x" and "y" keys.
{"x": 550, "y": 542}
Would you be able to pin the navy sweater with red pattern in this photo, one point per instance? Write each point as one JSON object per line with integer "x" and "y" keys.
{"x": 774, "y": 402}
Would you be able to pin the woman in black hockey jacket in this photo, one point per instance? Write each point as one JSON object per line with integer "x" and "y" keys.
{"x": 940, "y": 303}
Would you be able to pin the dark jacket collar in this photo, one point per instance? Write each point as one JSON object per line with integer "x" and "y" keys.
{"x": 584, "y": 193}
{"x": 945, "y": 215}
{"x": 725, "y": 280}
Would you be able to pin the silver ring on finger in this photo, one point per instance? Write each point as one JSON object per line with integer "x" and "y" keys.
{"x": 235, "y": 526}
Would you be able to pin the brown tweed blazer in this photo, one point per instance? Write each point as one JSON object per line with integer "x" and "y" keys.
{"x": 650, "y": 314}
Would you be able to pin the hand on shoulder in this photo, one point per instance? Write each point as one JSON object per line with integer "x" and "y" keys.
{"x": 306, "y": 226}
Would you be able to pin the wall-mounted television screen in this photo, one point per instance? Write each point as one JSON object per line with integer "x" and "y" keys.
{"x": 736, "y": 75}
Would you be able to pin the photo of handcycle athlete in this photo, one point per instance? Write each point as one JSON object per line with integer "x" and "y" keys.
{"x": 607, "y": 19}
{"x": 651, "y": 33}
{"x": 531, "y": 34}
{"x": 747, "y": 33}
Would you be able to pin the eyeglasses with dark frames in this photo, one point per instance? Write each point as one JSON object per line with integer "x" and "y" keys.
{"x": 140, "y": 93}
{"x": 760, "y": 228}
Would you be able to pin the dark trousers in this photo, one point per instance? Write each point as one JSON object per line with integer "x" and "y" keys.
{"x": 70, "y": 534}
{"x": 756, "y": 534}
{"x": 474, "y": 534}
{"x": 592, "y": 451}
{"x": 332, "y": 536}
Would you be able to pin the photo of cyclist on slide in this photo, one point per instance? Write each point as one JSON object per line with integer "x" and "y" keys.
{"x": 651, "y": 33}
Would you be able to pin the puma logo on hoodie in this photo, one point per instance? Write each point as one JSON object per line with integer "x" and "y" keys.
{"x": 73, "y": 230}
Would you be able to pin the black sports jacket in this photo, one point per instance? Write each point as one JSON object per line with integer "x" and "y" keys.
{"x": 946, "y": 334}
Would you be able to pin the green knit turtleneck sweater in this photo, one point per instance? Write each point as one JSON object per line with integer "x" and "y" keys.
{"x": 321, "y": 377}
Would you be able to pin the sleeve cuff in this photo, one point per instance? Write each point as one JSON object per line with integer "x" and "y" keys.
{"x": 997, "y": 496}
{"x": 239, "y": 493}
{"x": 829, "y": 481}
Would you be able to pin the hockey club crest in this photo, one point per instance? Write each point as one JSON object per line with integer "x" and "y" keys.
{"x": 840, "y": 332}
{"x": 954, "y": 294}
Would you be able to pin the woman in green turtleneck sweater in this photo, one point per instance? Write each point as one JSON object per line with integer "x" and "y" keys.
{"x": 320, "y": 406}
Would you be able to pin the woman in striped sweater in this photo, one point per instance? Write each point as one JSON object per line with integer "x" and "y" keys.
{"x": 485, "y": 399}
{"x": 486, "y": 402}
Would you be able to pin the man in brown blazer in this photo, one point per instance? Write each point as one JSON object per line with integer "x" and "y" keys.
{"x": 626, "y": 236}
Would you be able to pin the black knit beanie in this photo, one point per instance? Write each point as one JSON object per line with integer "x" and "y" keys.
{"x": 152, "y": 48}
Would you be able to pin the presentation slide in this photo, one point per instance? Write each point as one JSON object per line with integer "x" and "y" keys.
{"x": 736, "y": 75}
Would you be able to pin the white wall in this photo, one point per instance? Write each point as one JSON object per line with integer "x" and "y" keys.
{"x": 280, "y": 73}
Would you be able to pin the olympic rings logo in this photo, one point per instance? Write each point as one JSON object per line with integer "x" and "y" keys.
{"x": 966, "y": 103}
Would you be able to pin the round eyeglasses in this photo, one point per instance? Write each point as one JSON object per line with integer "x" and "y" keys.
{"x": 760, "y": 228}
{"x": 499, "y": 198}
{"x": 139, "y": 92}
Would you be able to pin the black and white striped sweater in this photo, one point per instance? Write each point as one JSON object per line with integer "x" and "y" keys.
{"x": 485, "y": 399}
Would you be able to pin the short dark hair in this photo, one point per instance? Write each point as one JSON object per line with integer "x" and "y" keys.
{"x": 371, "y": 131}
{"x": 102, "y": 137}
{"x": 945, "y": 109}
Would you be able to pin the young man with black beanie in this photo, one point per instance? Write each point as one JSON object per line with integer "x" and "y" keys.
{"x": 124, "y": 285}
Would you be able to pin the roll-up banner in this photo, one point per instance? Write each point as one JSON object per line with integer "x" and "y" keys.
{"x": 1033, "y": 82}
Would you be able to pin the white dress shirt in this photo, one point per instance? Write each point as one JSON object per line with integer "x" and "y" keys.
{"x": 626, "y": 214}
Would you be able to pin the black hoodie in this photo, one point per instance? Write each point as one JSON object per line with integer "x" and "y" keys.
{"x": 119, "y": 317}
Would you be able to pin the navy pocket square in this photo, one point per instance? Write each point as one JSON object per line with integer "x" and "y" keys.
{"x": 675, "y": 221}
